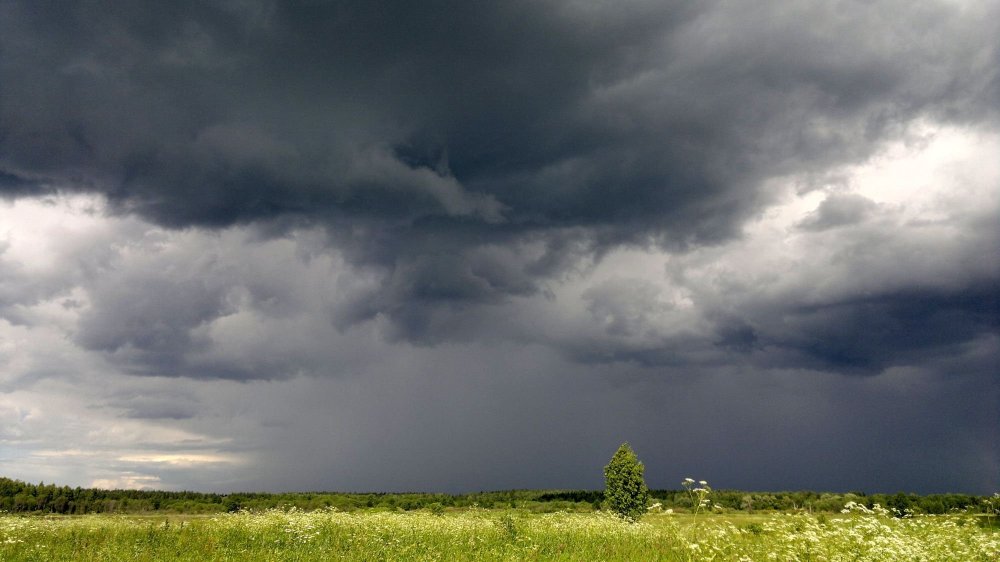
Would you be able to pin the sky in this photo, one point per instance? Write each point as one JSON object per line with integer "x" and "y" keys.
{"x": 461, "y": 245}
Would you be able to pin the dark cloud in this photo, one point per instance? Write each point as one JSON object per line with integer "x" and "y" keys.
{"x": 12, "y": 185}
{"x": 871, "y": 334}
{"x": 440, "y": 131}
{"x": 737, "y": 335}
{"x": 536, "y": 228}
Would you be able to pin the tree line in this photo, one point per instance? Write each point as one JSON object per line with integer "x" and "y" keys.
{"x": 22, "y": 497}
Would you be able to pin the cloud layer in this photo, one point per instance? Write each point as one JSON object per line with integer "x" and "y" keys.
{"x": 448, "y": 226}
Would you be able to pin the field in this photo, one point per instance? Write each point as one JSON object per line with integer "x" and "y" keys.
{"x": 481, "y": 534}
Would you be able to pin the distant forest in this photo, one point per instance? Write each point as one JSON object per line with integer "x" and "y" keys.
{"x": 22, "y": 497}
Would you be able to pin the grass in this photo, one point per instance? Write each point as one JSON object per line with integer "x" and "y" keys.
{"x": 479, "y": 534}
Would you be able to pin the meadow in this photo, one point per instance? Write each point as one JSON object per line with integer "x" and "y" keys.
{"x": 859, "y": 534}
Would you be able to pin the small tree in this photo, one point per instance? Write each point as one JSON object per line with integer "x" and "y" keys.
{"x": 625, "y": 491}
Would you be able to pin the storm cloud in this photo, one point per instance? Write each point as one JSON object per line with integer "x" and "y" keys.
{"x": 384, "y": 200}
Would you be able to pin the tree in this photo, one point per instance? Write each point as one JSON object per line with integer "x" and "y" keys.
{"x": 625, "y": 490}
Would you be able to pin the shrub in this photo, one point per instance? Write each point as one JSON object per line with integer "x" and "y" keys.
{"x": 625, "y": 490}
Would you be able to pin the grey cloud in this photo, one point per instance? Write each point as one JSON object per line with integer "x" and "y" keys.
{"x": 471, "y": 124}
{"x": 154, "y": 405}
{"x": 442, "y": 270}
{"x": 148, "y": 322}
{"x": 675, "y": 351}
{"x": 737, "y": 334}
{"x": 159, "y": 411}
{"x": 534, "y": 391}
{"x": 624, "y": 306}
{"x": 838, "y": 210}
{"x": 227, "y": 305}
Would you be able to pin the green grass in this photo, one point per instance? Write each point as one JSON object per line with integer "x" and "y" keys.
{"x": 478, "y": 534}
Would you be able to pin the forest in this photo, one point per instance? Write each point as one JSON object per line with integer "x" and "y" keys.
{"x": 22, "y": 497}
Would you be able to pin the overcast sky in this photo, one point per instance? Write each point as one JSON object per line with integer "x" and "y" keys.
{"x": 462, "y": 245}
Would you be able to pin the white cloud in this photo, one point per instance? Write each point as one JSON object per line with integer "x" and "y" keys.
{"x": 128, "y": 481}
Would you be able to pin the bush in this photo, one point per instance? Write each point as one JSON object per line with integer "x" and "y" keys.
{"x": 625, "y": 490}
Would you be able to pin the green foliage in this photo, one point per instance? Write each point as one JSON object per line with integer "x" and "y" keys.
{"x": 625, "y": 491}
{"x": 508, "y": 527}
